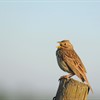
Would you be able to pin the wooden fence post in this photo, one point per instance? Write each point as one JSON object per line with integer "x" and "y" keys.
{"x": 70, "y": 89}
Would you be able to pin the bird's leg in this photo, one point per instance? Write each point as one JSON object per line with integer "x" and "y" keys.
{"x": 67, "y": 76}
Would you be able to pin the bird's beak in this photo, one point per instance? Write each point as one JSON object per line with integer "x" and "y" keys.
{"x": 58, "y": 47}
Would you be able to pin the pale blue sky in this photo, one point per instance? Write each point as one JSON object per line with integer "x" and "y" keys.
{"x": 29, "y": 31}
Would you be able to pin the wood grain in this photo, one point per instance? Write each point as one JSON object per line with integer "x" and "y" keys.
{"x": 70, "y": 89}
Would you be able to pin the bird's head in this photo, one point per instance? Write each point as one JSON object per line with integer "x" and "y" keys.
{"x": 65, "y": 44}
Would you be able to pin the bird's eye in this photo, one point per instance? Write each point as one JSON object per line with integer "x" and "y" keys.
{"x": 64, "y": 43}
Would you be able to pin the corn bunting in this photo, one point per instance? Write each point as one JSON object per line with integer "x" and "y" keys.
{"x": 70, "y": 62}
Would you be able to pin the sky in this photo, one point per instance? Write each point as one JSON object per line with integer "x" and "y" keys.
{"x": 29, "y": 31}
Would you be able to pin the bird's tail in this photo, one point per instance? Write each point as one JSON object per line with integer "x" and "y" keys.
{"x": 86, "y": 80}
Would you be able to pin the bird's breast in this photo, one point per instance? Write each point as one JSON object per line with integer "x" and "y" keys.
{"x": 61, "y": 63}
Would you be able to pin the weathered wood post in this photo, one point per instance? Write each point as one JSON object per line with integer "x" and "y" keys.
{"x": 70, "y": 89}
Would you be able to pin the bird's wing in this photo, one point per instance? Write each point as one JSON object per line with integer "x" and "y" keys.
{"x": 72, "y": 55}
{"x": 74, "y": 62}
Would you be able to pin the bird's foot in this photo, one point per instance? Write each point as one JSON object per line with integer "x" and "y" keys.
{"x": 65, "y": 76}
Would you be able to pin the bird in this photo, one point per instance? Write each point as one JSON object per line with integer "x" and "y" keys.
{"x": 69, "y": 61}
